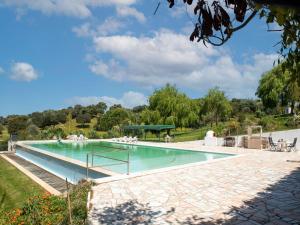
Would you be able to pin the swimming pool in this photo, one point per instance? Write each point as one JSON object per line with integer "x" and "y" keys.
{"x": 113, "y": 156}
{"x": 60, "y": 168}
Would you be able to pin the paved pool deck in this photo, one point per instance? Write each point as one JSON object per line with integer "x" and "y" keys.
{"x": 259, "y": 187}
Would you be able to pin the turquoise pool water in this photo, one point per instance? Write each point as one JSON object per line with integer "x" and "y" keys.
{"x": 141, "y": 158}
{"x": 62, "y": 169}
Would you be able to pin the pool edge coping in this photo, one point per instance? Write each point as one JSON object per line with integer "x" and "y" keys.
{"x": 162, "y": 170}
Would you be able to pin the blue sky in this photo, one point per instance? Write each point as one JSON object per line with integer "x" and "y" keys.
{"x": 55, "y": 54}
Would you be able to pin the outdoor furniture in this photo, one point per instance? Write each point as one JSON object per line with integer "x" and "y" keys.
{"x": 167, "y": 138}
{"x": 292, "y": 146}
{"x": 282, "y": 145}
{"x": 210, "y": 139}
{"x": 229, "y": 141}
{"x": 255, "y": 142}
{"x": 273, "y": 146}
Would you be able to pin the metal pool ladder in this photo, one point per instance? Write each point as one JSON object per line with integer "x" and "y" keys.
{"x": 91, "y": 156}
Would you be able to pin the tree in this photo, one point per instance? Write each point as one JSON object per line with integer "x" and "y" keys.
{"x": 170, "y": 103}
{"x": 150, "y": 117}
{"x": 32, "y": 131}
{"x": 216, "y": 106}
{"x": 115, "y": 116}
{"x": 217, "y": 22}
{"x": 76, "y": 111}
{"x": 16, "y": 124}
{"x": 83, "y": 119}
{"x": 277, "y": 88}
{"x": 1, "y": 129}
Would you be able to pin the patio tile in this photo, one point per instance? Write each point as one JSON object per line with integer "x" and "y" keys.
{"x": 259, "y": 187}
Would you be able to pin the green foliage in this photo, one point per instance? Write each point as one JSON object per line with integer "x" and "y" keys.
{"x": 92, "y": 134}
{"x": 1, "y": 129}
{"x": 216, "y": 106}
{"x": 276, "y": 88}
{"x": 53, "y": 132}
{"x": 115, "y": 116}
{"x": 172, "y": 107}
{"x": 289, "y": 20}
{"x": 17, "y": 124}
{"x": 33, "y": 132}
{"x": 49, "y": 209}
{"x": 150, "y": 117}
{"x": 83, "y": 118}
{"x": 268, "y": 123}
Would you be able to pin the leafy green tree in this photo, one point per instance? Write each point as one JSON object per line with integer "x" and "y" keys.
{"x": 139, "y": 108}
{"x": 33, "y": 132}
{"x": 115, "y": 116}
{"x": 1, "y": 129}
{"x": 276, "y": 88}
{"x": 83, "y": 119}
{"x": 16, "y": 124}
{"x": 150, "y": 117}
{"x": 216, "y": 106}
{"x": 2, "y": 120}
{"x": 170, "y": 103}
{"x": 77, "y": 109}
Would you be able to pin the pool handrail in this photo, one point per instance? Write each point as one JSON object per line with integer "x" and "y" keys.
{"x": 92, "y": 154}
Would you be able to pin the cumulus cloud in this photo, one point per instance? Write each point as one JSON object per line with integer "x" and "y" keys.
{"x": 109, "y": 26}
{"x": 76, "y": 8}
{"x": 168, "y": 57}
{"x": 21, "y": 71}
{"x": 126, "y": 11}
{"x": 129, "y": 100}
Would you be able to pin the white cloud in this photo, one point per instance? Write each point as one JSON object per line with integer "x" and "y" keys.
{"x": 125, "y": 11}
{"x": 171, "y": 58}
{"x": 129, "y": 100}
{"x": 1, "y": 70}
{"x": 109, "y": 26}
{"x": 84, "y": 30}
{"x": 21, "y": 71}
{"x": 76, "y": 8}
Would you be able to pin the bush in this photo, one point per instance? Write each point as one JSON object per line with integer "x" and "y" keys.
{"x": 268, "y": 123}
{"x": 92, "y": 134}
{"x": 3, "y": 146}
{"x": 49, "y": 209}
{"x": 293, "y": 122}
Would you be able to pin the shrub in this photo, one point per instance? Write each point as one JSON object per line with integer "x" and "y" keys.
{"x": 49, "y": 209}
{"x": 92, "y": 134}
{"x": 3, "y": 147}
{"x": 268, "y": 123}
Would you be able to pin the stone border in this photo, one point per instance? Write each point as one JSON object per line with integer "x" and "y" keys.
{"x": 40, "y": 182}
{"x": 161, "y": 170}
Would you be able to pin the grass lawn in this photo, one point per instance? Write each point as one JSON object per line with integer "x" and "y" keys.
{"x": 15, "y": 187}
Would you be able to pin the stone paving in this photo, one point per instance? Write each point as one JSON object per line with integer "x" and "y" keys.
{"x": 260, "y": 187}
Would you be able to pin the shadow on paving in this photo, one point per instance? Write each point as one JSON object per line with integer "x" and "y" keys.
{"x": 279, "y": 204}
{"x": 131, "y": 212}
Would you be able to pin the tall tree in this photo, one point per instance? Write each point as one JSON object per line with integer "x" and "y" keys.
{"x": 277, "y": 88}
{"x": 173, "y": 105}
{"x": 216, "y": 106}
